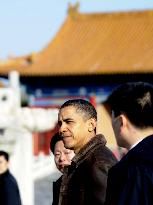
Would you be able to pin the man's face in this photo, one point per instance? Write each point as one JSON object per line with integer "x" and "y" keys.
{"x": 73, "y": 127}
{"x": 3, "y": 164}
{"x": 62, "y": 156}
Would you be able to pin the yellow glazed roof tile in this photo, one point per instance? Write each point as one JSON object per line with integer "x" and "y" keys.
{"x": 96, "y": 44}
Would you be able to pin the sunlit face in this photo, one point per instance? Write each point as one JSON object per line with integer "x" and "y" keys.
{"x": 62, "y": 155}
{"x": 74, "y": 128}
{"x": 3, "y": 164}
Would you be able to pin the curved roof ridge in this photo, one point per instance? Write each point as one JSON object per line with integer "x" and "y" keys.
{"x": 130, "y": 13}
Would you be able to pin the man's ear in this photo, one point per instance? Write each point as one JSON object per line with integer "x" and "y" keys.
{"x": 92, "y": 123}
{"x": 123, "y": 121}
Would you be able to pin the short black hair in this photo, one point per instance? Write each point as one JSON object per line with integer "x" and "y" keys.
{"x": 57, "y": 137}
{"x": 82, "y": 106}
{"x": 135, "y": 100}
{"x": 4, "y": 154}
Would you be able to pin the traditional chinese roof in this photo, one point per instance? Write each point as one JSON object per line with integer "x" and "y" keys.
{"x": 17, "y": 63}
{"x": 104, "y": 43}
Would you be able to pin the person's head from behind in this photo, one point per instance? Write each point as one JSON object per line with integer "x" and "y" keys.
{"x": 4, "y": 161}
{"x": 131, "y": 104}
{"x": 62, "y": 156}
{"x": 77, "y": 123}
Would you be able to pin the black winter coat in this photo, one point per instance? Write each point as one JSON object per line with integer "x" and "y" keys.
{"x": 9, "y": 192}
{"x": 56, "y": 191}
{"x": 84, "y": 181}
{"x": 130, "y": 181}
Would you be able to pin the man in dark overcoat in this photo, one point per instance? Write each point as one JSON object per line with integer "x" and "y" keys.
{"x": 62, "y": 158}
{"x": 9, "y": 191}
{"x": 84, "y": 181}
{"x": 130, "y": 181}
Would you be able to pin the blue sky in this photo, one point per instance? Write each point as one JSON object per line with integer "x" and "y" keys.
{"x": 29, "y": 25}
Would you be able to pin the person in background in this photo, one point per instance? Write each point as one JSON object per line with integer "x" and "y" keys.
{"x": 62, "y": 158}
{"x": 84, "y": 181}
{"x": 130, "y": 181}
{"x": 9, "y": 191}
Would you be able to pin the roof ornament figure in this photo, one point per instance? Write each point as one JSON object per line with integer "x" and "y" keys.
{"x": 73, "y": 9}
{"x": 31, "y": 58}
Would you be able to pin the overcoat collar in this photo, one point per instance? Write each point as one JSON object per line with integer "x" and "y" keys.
{"x": 98, "y": 140}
